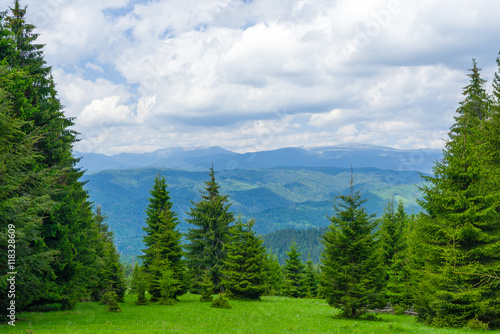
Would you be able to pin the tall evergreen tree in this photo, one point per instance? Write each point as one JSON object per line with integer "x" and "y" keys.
{"x": 163, "y": 242}
{"x": 68, "y": 228}
{"x": 352, "y": 272}
{"x": 208, "y": 240}
{"x": 460, "y": 230}
{"x": 244, "y": 270}
{"x": 294, "y": 273}
{"x": 25, "y": 199}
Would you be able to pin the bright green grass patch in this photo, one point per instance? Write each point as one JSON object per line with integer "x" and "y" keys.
{"x": 271, "y": 315}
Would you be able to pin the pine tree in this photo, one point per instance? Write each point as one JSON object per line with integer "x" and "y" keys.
{"x": 140, "y": 283}
{"x": 294, "y": 273}
{"x": 68, "y": 228}
{"x": 274, "y": 274}
{"x": 25, "y": 199}
{"x": 208, "y": 241}
{"x": 460, "y": 230}
{"x": 244, "y": 270}
{"x": 393, "y": 244}
{"x": 163, "y": 242}
{"x": 206, "y": 287}
{"x": 352, "y": 272}
{"x": 109, "y": 270}
{"x": 310, "y": 280}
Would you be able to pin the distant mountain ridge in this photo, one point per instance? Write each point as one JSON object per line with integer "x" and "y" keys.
{"x": 200, "y": 158}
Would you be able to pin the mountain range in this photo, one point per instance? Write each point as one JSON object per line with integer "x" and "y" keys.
{"x": 200, "y": 158}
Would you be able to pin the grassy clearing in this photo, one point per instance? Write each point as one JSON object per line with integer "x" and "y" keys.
{"x": 271, "y": 315}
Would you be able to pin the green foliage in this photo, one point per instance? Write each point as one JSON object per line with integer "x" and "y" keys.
{"x": 294, "y": 274}
{"x": 168, "y": 286}
{"x": 352, "y": 272}
{"x": 393, "y": 243}
{"x": 139, "y": 282}
{"x": 220, "y": 302}
{"x": 308, "y": 242}
{"x": 123, "y": 195}
{"x": 163, "y": 243}
{"x": 310, "y": 280}
{"x": 66, "y": 262}
{"x": 460, "y": 229}
{"x": 110, "y": 299}
{"x": 207, "y": 248}
{"x": 244, "y": 272}
{"x": 25, "y": 199}
{"x": 273, "y": 274}
{"x": 206, "y": 287}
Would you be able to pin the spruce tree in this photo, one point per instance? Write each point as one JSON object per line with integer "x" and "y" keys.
{"x": 460, "y": 229}
{"x": 310, "y": 280}
{"x": 394, "y": 245}
{"x": 274, "y": 274}
{"x": 244, "y": 274}
{"x": 25, "y": 199}
{"x": 294, "y": 273}
{"x": 163, "y": 242}
{"x": 352, "y": 272}
{"x": 109, "y": 270}
{"x": 208, "y": 240}
{"x": 68, "y": 228}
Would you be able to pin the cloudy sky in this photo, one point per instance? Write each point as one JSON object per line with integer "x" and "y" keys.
{"x": 251, "y": 75}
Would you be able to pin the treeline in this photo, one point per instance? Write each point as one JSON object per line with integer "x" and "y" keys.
{"x": 308, "y": 243}
{"x": 54, "y": 247}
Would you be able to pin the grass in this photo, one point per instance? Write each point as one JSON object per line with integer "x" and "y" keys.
{"x": 271, "y": 315}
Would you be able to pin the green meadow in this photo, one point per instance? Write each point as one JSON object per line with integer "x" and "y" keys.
{"x": 270, "y": 315}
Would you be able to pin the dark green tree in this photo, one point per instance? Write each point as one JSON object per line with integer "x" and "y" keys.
{"x": 274, "y": 274}
{"x": 352, "y": 271}
{"x": 208, "y": 240}
{"x": 25, "y": 199}
{"x": 109, "y": 274}
{"x": 310, "y": 280}
{"x": 68, "y": 228}
{"x": 244, "y": 274}
{"x": 393, "y": 242}
{"x": 460, "y": 229}
{"x": 163, "y": 242}
{"x": 206, "y": 287}
{"x": 294, "y": 273}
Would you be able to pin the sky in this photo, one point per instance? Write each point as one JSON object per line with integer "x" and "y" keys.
{"x": 264, "y": 74}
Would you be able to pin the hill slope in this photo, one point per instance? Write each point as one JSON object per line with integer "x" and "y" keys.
{"x": 198, "y": 158}
{"x": 277, "y": 198}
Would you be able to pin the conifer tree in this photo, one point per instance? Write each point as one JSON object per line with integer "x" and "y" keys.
{"x": 394, "y": 245}
{"x": 352, "y": 272}
{"x": 460, "y": 229}
{"x": 274, "y": 274}
{"x": 208, "y": 240}
{"x": 294, "y": 273}
{"x": 310, "y": 280}
{"x": 163, "y": 242}
{"x": 108, "y": 273}
{"x": 244, "y": 271}
{"x": 68, "y": 228}
{"x": 140, "y": 283}
{"x": 25, "y": 199}
{"x": 206, "y": 287}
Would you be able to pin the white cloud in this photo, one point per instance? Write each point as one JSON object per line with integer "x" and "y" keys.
{"x": 169, "y": 73}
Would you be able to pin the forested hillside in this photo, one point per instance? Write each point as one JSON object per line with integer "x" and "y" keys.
{"x": 277, "y": 198}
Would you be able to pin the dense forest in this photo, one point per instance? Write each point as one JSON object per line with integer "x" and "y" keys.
{"x": 57, "y": 249}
